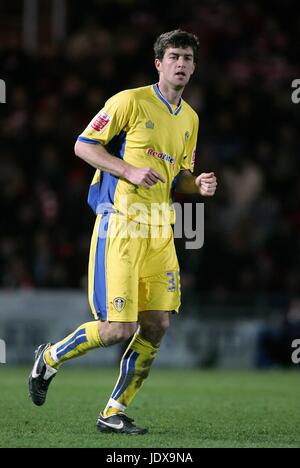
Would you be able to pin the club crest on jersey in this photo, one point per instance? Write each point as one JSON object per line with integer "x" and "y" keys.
{"x": 149, "y": 124}
{"x": 119, "y": 303}
{"x": 100, "y": 121}
{"x": 186, "y": 136}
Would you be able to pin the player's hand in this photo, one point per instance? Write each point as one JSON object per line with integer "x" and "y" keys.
{"x": 207, "y": 184}
{"x": 146, "y": 176}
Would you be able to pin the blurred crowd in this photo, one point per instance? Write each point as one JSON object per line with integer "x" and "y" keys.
{"x": 248, "y": 136}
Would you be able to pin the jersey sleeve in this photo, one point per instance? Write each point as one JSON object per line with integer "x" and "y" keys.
{"x": 188, "y": 161}
{"x": 112, "y": 119}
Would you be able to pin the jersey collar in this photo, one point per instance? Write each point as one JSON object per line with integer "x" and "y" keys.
{"x": 163, "y": 99}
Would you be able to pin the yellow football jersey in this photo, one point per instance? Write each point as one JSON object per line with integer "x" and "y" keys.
{"x": 143, "y": 128}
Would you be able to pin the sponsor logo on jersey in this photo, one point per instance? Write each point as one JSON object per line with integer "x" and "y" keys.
{"x": 163, "y": 156}
{"x": 119, "y": 303}
{"x": 100, "y": 121}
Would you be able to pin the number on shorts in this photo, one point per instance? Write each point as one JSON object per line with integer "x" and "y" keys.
{"x": 171, "y": 281}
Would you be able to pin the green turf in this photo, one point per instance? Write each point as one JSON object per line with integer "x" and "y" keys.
{"x": 181, "y": 408}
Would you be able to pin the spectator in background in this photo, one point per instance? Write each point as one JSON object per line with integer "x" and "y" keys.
{"x": 248, "y": 131}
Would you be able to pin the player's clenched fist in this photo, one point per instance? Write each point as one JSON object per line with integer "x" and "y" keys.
{"x": 207, "y": 184}
{"x": 146, "y": 176}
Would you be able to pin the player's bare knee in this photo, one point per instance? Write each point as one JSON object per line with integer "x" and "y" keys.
{"x": 161, "y": 325}
{"x": 164, "y": 324}
{"x": 123, "y": 331}
{"x": 154, "y": 332}
{"x": 128, "y": 330}
{"x": 115, "y": 332}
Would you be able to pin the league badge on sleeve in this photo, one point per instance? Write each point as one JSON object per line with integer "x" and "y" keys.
{"x": 100, "y": 121}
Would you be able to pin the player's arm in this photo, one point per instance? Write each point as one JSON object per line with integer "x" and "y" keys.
{"x": 97, "y": 156}
{"x": 205, "y": 184}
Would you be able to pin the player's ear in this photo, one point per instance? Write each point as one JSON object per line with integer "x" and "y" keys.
{"x": 157, "y": 64}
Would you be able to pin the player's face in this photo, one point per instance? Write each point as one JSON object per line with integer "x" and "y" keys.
{"x": 177, "y": 66}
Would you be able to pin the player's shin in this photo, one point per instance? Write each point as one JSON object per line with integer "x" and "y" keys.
{"x": 82, "y": 340}
{"x": 134, "y": 369}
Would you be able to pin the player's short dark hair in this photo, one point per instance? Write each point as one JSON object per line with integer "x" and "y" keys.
{"x": 176, "y": 38}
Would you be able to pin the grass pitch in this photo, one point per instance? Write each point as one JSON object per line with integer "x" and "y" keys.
{"x": 181, "y": 408}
